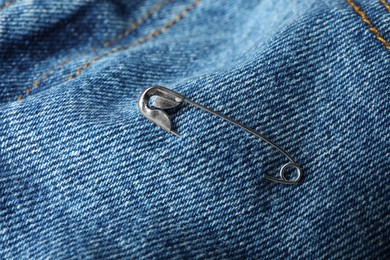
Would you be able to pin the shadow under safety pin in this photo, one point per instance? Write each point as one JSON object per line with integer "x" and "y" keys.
{"x": 164, "y": 98}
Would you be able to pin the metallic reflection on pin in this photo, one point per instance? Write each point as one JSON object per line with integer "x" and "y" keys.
{"x": 164, "y": 98}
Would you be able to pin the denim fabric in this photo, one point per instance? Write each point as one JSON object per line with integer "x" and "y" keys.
{"x": 84, "y": 175}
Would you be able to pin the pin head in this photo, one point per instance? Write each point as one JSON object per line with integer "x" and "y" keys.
{"x": 162, "y": 98}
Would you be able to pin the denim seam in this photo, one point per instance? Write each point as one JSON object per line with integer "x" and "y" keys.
{"x": 386, "y": 5}
{"x": 137, "y": 23}
{"x": 7, "y": 4}
{"x": 371, "y": 27}
{"x": 141, "y": 40}
{"x": 132, "y": 27}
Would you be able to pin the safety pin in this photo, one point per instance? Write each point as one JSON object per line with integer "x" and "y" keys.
{"x": 164, "y": 98}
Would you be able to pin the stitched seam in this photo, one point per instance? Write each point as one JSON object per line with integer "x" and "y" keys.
{"x": 132, "y": 27}
{"x": 137, "y": 23}
{"x": 7, "y": 4}
{"x": 371, "y": 27}
{"x": 386, "y": 5}
{"x": 141, "y": 40}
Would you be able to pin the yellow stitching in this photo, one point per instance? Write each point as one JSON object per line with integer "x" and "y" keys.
{"x": 386, "y": 5}
{"x": 371, "y": 27}
{"x": 120, "y": 36}
{"x": 7, "y": 4}
{"x": 137, "y": 23}
{"x": 151, "y": 35}
{"x": 140, "y": 40}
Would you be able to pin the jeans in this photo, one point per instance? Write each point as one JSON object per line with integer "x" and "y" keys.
{"x": 84, "y": 175}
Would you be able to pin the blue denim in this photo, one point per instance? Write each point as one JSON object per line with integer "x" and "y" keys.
{"x": 84, "y": 175}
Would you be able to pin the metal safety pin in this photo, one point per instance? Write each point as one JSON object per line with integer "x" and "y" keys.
{"x": 164, "y": 98}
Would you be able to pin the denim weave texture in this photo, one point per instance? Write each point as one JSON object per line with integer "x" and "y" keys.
{"x": 84, "y": 176}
